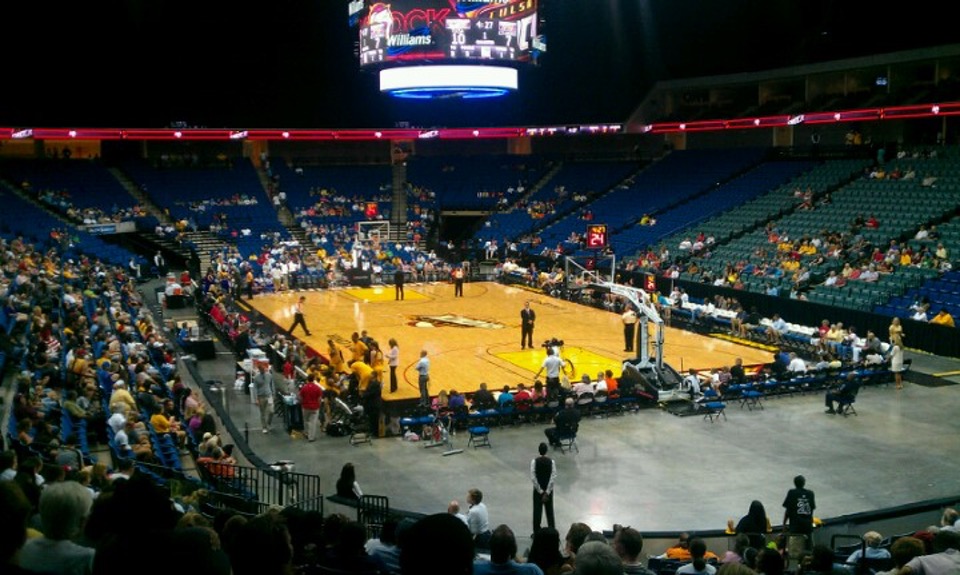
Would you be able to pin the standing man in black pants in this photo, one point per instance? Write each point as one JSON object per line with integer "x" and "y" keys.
{"x": 160, "y": 264}
{"x": 248, "y": 282}
{"x": 398, "y": 282}
{"x": 543, "y": 473}
{"x": 372, "y": 401}
{"x": 798, "y": 509}
{"x": 298, "y": 317}
{"x": 629, "y": 328}
{"x": 527, "y": 317}
{"x": 458, "y": 282}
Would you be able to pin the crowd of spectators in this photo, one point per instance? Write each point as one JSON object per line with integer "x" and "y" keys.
{"x": 73, "y": 531}
{"x": 92, "y": 368}
{"x": 61, "y": 202}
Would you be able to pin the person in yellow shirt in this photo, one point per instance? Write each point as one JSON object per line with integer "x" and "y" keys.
{"x": 358, "y": 348}
{"x": 681, "y": 550}
{"x": 315, "y": 369}
{"x": 364, "y": 372}
{"x": 162, "y": 422}
{"x": 121, "y": 400}
{"x": 790, "y": 265}
{"x": 377, "y": 360}
{"x": 335, "y": 357}
{"x": 835, "y": 335}
{"x": 943, "y": 317}
{"x": 248, "y": 282}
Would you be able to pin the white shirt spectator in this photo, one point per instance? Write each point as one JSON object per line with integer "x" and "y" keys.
{"x": 582, "y": 387}
{"x": 477, "y": 519}
{"x": 675, "y": 297}
{"x": 691, "y": 384}
{"x": 117, "y": 422}
{"x": 797, "y": 365}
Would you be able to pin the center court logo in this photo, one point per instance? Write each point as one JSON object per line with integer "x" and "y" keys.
{"x": 450, "y": 320}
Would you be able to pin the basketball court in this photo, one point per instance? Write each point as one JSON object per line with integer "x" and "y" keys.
{"x": 476, "y": 338}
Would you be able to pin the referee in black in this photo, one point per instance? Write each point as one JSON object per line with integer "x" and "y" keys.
{"x": 298, "y": 317}
{"x": 398, "y": 282}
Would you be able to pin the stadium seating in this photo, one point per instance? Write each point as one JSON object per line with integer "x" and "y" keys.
{"x": 684, "y": 174}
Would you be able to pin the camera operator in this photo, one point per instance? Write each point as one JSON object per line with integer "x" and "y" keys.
{"x": 552, "y": 364}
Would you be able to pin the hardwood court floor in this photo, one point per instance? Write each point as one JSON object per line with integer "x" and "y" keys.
{"x": 476, "y": 338}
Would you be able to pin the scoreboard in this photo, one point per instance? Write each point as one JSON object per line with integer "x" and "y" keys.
{"x": 433, "y": 31}
{"x": 597, "y": 236}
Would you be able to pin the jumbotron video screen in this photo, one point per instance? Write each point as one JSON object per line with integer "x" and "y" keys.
{"x": 433, "y": 31}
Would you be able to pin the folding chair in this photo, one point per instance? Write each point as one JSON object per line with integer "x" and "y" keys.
{"x": 751, "y": 398}
{"x": 845, "y": 404}
{"x": 585, "y": 404}
{"x": 524, "y": 410}
{"x": 601, "y": 404}
{"x": 713, "y": 410}
{"x": 479, "y": 436}
{"x": 568, "y": 440}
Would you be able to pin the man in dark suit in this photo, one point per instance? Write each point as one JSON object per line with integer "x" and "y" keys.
{"x": 398, "y": 282}
{"x": 845, "y": 391}
{"x": 543, "y": 473}
{"x": 565, "y": 422}
{"x": 527, "y": 317}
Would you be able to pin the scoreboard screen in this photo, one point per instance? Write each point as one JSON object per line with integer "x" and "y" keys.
{"x": 597, "y": 236}
{"x": 419, "y": 31}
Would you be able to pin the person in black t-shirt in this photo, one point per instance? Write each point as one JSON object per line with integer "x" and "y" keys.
{"x": 751, "y": 321}
{"x": 483, "y": 399}
{"x": 737, "y": 373}
{"x": 798, "y": 509}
